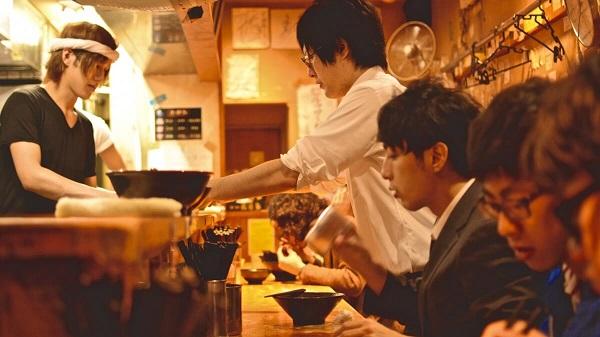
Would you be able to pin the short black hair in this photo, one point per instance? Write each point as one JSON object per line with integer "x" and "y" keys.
{"x": 427, "y": 113}
{"x": 497, "y": 136}
{"x": 327, "y": 22}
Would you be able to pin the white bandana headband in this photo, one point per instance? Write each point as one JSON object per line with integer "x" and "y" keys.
{"x": 89, "y": 45}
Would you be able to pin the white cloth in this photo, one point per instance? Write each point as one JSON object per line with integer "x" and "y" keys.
{"x": 346, "y": 142}
{"x": 441, "y": 221}
{"x": 107, "y": 207}
{"x": 89, "y": 45}
{"x": 102, "y": 135}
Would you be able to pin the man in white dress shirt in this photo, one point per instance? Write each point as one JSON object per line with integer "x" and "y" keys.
{"x": 344, "y": 50}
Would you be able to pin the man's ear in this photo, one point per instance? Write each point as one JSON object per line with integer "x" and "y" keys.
{"x": 68, "y": 57}
{"x": 342, "y": 49}
{"x": 439, "y": 156}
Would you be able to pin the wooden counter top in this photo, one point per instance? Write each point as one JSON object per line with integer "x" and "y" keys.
{"x": 105, "y": 240}
{"x": 264, "y": 317}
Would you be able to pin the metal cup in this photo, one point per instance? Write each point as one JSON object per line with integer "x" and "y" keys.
{"x": 328, "y": 226}
{"x": 234, "y": 309}
{"x": 217, "y": 308}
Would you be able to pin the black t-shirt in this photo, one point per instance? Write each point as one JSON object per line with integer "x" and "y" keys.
{"x": 30, "y": 115}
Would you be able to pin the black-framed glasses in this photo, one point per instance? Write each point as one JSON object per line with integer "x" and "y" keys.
{"x": 516, "y": 210}
{"x": 567, "y": 210}
{"x": 308, "y": 59}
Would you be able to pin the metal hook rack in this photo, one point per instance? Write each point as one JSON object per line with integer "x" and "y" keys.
{"x": 488, "y": 75}
{"x": 482, "y": 70}
{"x": 558, "y": 51}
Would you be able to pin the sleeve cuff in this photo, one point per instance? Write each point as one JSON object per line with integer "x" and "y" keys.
{"x": 287, "y": 159}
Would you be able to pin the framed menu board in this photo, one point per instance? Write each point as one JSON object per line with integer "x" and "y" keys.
{"x": 178, "y": 123}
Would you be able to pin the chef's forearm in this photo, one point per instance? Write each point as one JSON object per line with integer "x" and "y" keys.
{"x": 267, "y": 178}
{"x": 53, "y": 186}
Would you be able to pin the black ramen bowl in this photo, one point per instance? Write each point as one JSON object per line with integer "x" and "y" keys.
{"x": 270, "y": 261}
{"x": 187, "y": 187}
{"x": 308, "y": 308}
{"x": 255, "y": 275}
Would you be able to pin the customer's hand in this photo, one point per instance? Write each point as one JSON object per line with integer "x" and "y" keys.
{"x": 365, "y": 327}
{"x": 289, "y": 260}
{"x": 501, "y": 329}
{"x": 348, "y": 247}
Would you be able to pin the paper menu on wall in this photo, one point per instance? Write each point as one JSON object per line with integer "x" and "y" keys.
{"x": 250, "y": 28}
{"x": 242, "y": 76}
{"x": 283, "y": 28}
{"x": 261, "y": 236}
{"x": 313, "y": 107}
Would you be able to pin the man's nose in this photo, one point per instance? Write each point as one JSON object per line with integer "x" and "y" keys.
{"x": 99, "y": 75}
{"x": 385, "y": 171}
{"x": 506, "y": 227}
{"x": 311, "y": 72}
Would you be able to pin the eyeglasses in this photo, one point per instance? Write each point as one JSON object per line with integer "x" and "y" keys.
{"x": 516, "y": 210}
{"x": 308, "y": 59}
{"x": 566, "y": 212}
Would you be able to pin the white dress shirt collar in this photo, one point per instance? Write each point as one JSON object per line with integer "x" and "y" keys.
{"x": 369, "y": 74}
{"x": 441, "y": 221}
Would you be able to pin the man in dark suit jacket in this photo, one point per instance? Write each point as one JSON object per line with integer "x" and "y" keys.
{"x": 472, "y": 277}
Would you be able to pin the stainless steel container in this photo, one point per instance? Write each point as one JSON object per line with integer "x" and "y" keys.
{"x": 234, "y": 309}
{"x": 217, "y": 308}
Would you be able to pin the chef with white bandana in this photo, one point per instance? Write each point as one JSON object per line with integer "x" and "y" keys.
{"x": 46, "y": 145}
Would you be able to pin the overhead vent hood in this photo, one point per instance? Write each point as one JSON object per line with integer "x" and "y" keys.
{"x": 167, "y": 36}
{"x": 15, "y": 71}
{"x": 20, "y": 46}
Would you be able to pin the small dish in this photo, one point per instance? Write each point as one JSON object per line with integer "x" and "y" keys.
{"x": 255, "y": 275}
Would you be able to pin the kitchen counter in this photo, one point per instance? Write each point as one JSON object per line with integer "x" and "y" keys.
{"x": 48, "y": 262}
{"x": 264, "y": 317}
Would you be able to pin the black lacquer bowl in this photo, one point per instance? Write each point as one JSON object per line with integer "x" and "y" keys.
{"x": 187, "y": 187}
{"x": 270, "y": 261}
{"x": 308, "y": 308}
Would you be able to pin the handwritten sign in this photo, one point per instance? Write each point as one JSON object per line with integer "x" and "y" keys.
{"x": 283, "y": 28}
{"x": 313, "y": 107}
{"x": 250, "y": 28}
{"x": 242, "y": 76}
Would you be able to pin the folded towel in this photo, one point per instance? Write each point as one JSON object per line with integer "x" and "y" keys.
{"x": 107, "y": 207}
